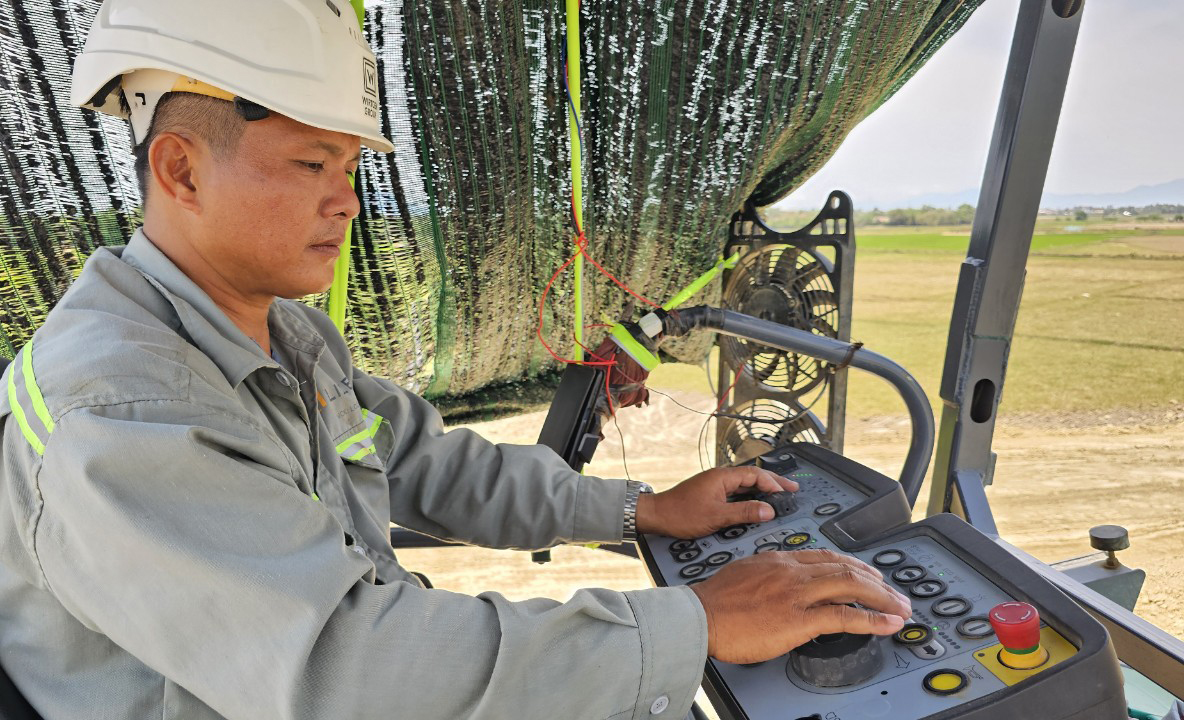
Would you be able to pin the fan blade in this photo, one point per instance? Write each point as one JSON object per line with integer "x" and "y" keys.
{"x": 787, "y": 261}
{"x": 807, "y": 274}
{"x": 804, "y": 425}
{"x": 821, "y": 327}
{"x": 738, "y": 292}
{"x": 762, "y": 367}
{"x": 760, "y": 266}
{"x": 820, "y": 298}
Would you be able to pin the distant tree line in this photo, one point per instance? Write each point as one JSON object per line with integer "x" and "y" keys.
{"x": 924, "y": 215}
{"x": 927, "y": 215}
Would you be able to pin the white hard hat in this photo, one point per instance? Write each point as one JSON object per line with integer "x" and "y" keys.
{"x": 306, "y": 59}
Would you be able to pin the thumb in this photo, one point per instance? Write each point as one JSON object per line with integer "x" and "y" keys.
{"x": 749, "y": 511}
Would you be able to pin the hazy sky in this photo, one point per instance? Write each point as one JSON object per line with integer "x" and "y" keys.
{"x": 1120, "y": 126}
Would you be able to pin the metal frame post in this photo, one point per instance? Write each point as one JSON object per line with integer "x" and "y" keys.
{"x": 992, "y": 276}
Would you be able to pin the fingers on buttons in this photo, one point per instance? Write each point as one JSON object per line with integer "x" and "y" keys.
{"x": 817, "y": 570}
{"x": 823, "y": 555}
{"x": 851, "y": 586}
{"x": 845, "y": 618}
{"x": 770, "y": 481}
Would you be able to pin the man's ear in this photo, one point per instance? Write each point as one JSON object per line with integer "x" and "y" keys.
{"x": 174, "y": 160}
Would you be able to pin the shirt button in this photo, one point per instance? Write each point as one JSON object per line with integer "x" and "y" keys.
{"x": 283, "y": 378}
{"x": 659, "y": 705}
{"x": 358, "y": 549}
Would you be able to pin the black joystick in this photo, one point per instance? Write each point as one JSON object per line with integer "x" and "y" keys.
{"x": 784, "y": 502}
{"x": 836, "y": 660}
{"x": 779, "y": 461}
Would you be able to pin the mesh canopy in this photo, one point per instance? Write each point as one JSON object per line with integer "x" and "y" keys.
{"x": 689, "y": 109}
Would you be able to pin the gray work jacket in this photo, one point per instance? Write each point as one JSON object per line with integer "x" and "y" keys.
{"x": 189, "y": 529}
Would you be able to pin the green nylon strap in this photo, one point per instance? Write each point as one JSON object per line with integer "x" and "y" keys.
{"x": 637, "y": 351}
{"x": 34, "y": 391}
{"x": 367, "y": 433}
{"x": 19, "y": 413}
{"x": 577, "y": 173}
{"x": 339, "y": 290}
{"x": 641, "y": 353}
{"x": 698, "y": 283}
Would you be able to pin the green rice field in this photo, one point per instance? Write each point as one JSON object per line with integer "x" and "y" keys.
{"x": 1100, "y": 326}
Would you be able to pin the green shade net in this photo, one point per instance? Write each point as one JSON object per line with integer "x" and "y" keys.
{"x": 689, "y": 110}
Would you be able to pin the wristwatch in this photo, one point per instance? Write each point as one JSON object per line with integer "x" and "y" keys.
{"x": 633, "y": 489}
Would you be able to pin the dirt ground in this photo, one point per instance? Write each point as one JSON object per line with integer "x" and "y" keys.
{"x": 1057, "y": 476}
{"x": 1171, "y": 244}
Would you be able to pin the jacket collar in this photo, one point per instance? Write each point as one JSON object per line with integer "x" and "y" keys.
{"x": 214, "y": 334}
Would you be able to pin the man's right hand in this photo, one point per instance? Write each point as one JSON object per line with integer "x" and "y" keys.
{"x": 766, "y": 605}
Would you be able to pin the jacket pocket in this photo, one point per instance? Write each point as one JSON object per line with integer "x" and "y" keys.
{"x": 366, "y": 444}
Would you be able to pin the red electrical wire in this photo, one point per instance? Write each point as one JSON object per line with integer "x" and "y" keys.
{"x": 724, "y": 398}
{"x": 581, "y": 243}
{"x": 539, "y": 330}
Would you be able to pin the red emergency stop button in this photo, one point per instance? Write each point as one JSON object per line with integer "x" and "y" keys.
{"x": 1017, "y": 625}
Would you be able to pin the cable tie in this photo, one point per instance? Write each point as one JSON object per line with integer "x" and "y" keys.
{"x": 851, "y": 350}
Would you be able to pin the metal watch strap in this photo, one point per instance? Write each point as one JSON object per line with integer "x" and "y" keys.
{"x": 633, "y": 489}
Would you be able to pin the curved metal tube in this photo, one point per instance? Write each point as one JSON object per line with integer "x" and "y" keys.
{"x": 728, "y": 322}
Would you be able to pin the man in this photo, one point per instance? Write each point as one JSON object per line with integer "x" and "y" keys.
{"x": 198, "y": 484}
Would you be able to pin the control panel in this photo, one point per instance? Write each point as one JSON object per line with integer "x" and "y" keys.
{"x": 988, "y": 637}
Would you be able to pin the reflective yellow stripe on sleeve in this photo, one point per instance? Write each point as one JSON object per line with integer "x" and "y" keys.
{"x": 34, "y": 391}
{"x": 27, "y": 403}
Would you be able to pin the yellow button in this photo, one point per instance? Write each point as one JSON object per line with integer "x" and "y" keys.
{"x": 797, "y": 539}
{"x": 944, "y": 682}
{"x": 913, "y": 634}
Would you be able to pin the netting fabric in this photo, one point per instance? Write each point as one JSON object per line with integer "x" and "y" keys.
{"x": 689, "y": 109}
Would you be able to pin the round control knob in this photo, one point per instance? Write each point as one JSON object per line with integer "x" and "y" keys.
{"x": 1109, "y": 538}
{"x": 783, "y": 503}
{"x": 1017, "y": 625}
{"x": 836, "y": 660}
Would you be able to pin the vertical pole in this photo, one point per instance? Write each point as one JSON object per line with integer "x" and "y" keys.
{"x": 992, "y": 276}
{"x": 577, "y": 184}
{"x": 339, "y": 290}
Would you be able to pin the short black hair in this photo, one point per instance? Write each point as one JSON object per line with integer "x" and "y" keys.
{"x": 212, "y": 119}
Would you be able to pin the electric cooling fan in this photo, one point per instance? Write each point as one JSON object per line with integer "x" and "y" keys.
{"x": 755, "y": 427}
{"x": 787, "y": 285}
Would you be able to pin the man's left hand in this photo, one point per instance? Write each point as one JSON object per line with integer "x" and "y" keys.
{"x": 699, "y": 505}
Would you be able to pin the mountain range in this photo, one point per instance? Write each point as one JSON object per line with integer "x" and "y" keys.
{"x": 1171, "y": 192}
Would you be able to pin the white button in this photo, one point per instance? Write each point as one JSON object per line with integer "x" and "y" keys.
{"x": 358, "y": 549}
{"x": 659, "y": 705}
{"x": 283, "y": 378}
